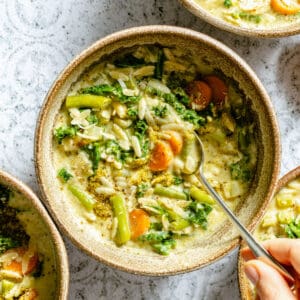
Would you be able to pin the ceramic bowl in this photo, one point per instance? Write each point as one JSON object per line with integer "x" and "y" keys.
{"x": 245, "y": 288}
{"x": 202, "y": 13}
{"x": 203, "y": 251}
{"x": 61, "y": 258}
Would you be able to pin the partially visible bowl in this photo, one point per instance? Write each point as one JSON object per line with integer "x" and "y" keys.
{"x": 273, "y": 31}
{"x": 50, "y": 233}
{"x": 246, "y": 290}
{"x": 204, "y": 251}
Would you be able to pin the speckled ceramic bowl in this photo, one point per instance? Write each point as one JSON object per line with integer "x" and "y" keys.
{"x": 61, "y": 258}
{"x": 202, "y": 13}
{"x": 245, "y": 288}
{"x": 203, "y": 251}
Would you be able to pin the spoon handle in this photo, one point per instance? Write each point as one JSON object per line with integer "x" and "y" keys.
{"x": 256, "y": 248}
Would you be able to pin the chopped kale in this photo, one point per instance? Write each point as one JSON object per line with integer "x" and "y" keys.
{"x": 132, "y": 112}
{"x": 293, "y": 229}
{"x": 7, "y": 243}
{"x": 113, "y": 148}
{"x": 141, "y": 189}
{"x": 227, "y": 3}
{"x": 128, "y": 60}
{"x": 161, "y": 241}
{"x": 160, "y": 110}
{"x": 240, "y": 170}
{"x": 177, "y": 180}
{"x": 175, "y": 80}
{"x": 159, "y": 66}
{"x": 181, "y": 95}
{"x": 140, "y": 128}
{"x": 92, "y": 119}
{"x": 156, "y": 226}
{"x": 110, "y": 90}
{"x": 93, "y": 151}
{"x": 198, "y": 213}
{"x": 64, "y": 175}
{"x": 250, "y": 17}
{"x": 63, "y": 132}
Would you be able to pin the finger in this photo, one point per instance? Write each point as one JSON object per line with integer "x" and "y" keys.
{"x": 285, "y": 251}
{"x": 269, "y": 283}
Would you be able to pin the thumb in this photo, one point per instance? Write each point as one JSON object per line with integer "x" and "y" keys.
{"x": 269, "y": 283}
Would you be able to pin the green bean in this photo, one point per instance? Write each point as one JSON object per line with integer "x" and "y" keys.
{"x": 179, "y": 224}
{"x": 120, "y": 212}
{"x": 86, "y": 100}
{"x": 169, "y": 193}
{"x": 201, "y": 196}
{"x": 85, "y": 199}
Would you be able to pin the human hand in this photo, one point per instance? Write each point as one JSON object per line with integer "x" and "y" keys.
{"x": 269, "y": 283}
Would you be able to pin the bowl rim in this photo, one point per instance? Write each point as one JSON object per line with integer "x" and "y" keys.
{"x": 200, "y": 12}
{"x": 130, "y": 33}
{"x": 61, "y": 253}
{"x": 243, "y": 281}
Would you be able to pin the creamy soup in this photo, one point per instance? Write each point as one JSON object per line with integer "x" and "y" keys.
{"x": 124, "y": 147}
{"x": 282, "y": 218}
{"x": 258, "y": 14}
{"x": 27, "y": 262}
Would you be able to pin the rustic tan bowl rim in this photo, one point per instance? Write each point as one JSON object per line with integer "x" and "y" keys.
{"x": 200, "y": 12}
{"x": 63, "y": 265}
{"x": 243, "y": 281}
{"x": 134, "y": 33}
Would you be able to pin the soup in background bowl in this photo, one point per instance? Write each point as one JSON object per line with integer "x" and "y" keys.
{"x": 280, "y": 220}
{"x": 115, "y": 149}
{"x": 262, "y": 18}
{"x": 33, "y": 260}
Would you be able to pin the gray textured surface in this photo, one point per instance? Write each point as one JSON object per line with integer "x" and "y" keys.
{"x": 38, "y": 38}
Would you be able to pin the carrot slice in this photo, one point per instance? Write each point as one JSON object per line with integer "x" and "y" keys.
{"x": 200, "y": 94}
{"x": 283, "y": 8}
{"x": 161, "y": 157}
{"x": 139, "y": 222}
{"x": 219, "y": 89}
{"x": 16, "y": 265}
{"x": 175, "y": 141}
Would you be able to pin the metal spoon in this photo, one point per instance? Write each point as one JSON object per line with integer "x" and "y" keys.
{"x": 256, "y": 248}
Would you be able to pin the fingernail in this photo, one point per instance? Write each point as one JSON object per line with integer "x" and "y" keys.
{"x": 251, "y": 274}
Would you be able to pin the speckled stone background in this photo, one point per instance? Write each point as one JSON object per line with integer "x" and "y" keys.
{"x": 39, "y": 37}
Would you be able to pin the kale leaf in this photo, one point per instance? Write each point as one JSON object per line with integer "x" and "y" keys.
{"x": 7, "y": 243}
{"x": 240, "y": 170}
{"x": 198, "y": 213}
{"x": 160, "y": 110}
{"x": 63, "y": 132}
{"x": 93, "y": 151}
{"x": 64, "y": 175}
{"x": 293, "y": 229}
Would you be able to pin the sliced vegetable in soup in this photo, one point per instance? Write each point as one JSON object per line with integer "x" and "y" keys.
{"x": 26, "y": 259}
{"x": 124, "y": 147}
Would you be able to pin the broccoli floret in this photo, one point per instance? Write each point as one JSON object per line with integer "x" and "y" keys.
{"x": 63, "y": 132}
{"x": 64, "y": 175}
